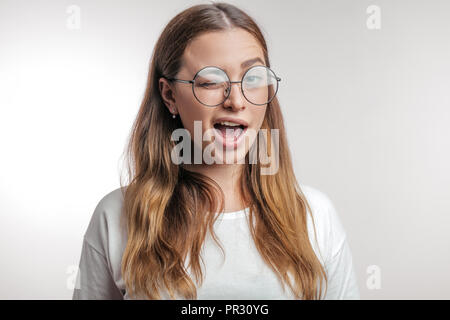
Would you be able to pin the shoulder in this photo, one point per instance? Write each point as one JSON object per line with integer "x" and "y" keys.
{"x": 105, "y": 232}
{"x": 329, "y": 229}
{"x": 315, "y": 197}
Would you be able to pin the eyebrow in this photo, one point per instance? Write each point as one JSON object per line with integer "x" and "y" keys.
{"x": 250, "y": 62}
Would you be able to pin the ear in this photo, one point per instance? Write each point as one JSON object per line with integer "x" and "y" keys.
{"x": 167, "y": 94}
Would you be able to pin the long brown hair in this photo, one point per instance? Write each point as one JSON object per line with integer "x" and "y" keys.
{"x": 168, "y": 210}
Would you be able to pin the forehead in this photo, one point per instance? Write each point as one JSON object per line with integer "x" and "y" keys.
{"x": 224, "y": 49}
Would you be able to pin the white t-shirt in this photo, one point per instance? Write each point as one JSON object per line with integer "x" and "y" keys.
{"x": 241, "y": 275}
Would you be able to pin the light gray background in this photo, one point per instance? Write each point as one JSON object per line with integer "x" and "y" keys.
{"x": 367, "y": 113}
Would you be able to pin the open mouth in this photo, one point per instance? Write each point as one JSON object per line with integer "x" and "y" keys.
{"x": 230, "y": 132}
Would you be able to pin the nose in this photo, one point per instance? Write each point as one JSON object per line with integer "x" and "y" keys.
{"x": 235, "y": 100}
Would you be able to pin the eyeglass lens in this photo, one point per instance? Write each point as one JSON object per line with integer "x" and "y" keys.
{"x": 211, "y": 85}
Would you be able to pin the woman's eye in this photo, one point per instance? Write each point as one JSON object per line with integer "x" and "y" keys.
{"x": 209, "y": 84}
{"x": 252, "y": 79}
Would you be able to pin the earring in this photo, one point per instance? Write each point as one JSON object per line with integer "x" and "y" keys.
{"x": 174, "y": 116}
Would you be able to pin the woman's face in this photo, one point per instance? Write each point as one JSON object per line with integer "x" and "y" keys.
{"x": 228, "y": 50}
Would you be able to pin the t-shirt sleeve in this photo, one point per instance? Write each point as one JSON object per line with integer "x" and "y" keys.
{"x": 94, "y": 280}
{"x": 342, "y": 284}
{"x": 342, "y": 281}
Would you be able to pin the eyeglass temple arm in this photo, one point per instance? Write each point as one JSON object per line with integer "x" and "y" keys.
{"x": 179, "y": 80}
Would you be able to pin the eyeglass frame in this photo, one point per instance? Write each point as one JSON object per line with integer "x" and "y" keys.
{"x": 230, "y": 82}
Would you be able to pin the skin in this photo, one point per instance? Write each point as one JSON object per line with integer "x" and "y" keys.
{"x": 226, "y": 50}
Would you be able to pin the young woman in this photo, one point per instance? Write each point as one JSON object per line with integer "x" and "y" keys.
{"x": 257, "y": 233}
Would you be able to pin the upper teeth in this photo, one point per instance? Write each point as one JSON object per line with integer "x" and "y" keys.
{"x": 228, "y": 123}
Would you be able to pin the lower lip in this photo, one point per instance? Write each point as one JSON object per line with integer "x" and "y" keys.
{"x": 231, "y": 142}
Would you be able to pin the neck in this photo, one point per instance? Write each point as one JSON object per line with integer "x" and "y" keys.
{"x": 227, "y": 176}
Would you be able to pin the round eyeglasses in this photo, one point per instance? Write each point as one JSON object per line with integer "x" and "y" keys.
{"x": 211, "y": 85}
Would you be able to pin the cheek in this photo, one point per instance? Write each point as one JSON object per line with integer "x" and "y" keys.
{"x": 190, "y": 113}
{"x": 188, "y": 110}
{"x": 259, "y": 116}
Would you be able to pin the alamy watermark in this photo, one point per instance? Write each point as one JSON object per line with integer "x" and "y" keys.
{"x": 73, "y": 21}
{"x": 73, "y": 280}
{"x": 266, "y": 151}
{"x": 374, "y": 279}
{"x": 373, "y": 21}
